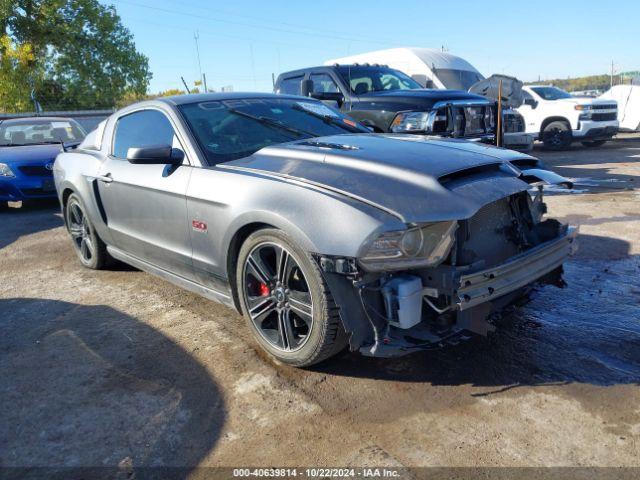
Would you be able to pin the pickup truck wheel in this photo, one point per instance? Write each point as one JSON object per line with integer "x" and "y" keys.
{"x": 557, "y": 136}
{"x": 594, "y": 143}
{"x": 90, "y": 249}
{"x": 285, "y": 300}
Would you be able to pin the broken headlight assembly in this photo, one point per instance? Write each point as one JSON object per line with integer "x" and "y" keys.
{"x": 424, "y": 246}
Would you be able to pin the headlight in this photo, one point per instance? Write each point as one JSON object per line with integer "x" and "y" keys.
{"x": 586, "y": 110}
{"x": 5, "y": 171}
{"x": 410, "y": 122}
{"x": 425, "y": 246}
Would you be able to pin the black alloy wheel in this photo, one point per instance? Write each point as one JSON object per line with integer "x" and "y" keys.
{"x": 286, "y": 300}
{"x": 88, "y": 246}
{"x": 278, "y": 298}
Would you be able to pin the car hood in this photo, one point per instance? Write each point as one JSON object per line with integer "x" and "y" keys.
{"x": 416, "y": 178}
{"x": 489, "y": 88}
{"x": 586, "y": 101}
{"x": 418, "y": 98}
{"x": 29, "y": 154}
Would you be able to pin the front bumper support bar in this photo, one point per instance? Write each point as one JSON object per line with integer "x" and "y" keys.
{"x": 488, "y": 284}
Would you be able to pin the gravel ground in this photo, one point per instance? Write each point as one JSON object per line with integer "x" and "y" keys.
{"x": 120, "y": 368}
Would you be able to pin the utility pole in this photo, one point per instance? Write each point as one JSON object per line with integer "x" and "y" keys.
{"x": 196, "y": 37}
{"x": 611, "y": 74}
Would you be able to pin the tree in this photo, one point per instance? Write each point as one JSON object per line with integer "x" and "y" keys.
{"x": 16, "y": 61}
{"x": 83, "y": 56}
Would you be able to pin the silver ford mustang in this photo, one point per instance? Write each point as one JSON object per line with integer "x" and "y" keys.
{"x": 321, "y": 233}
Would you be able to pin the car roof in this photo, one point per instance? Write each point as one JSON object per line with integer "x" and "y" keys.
{"x": 302, "y": 71}
{"x": 211, "y": 97}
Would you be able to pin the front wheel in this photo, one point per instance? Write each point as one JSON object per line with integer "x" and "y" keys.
{"x": 285, "y": 300}
{"x": 90, "y": 249}
{"x": 557, "y": 136}
{"x": 594, "y": 143}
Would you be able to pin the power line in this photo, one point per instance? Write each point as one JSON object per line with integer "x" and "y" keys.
{"x": 225, "y": 21}
{"x": 324, "y": 31}
{"x": 215, "y": 33}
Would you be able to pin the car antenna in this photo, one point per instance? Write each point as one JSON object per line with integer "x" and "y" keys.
{"x": 185, "y": 84}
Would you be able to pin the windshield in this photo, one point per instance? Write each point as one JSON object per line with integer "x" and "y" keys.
{"x": 376, "y": 79}
{"x": 551, "y": 93}
{"x": 39, "y": 131}
{"x": 231, "y": 129}
{"x": 457, "y": 79}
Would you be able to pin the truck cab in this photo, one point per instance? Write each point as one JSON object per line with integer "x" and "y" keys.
{"x": 387, "y": 100}
{"x": 558, "y": 118}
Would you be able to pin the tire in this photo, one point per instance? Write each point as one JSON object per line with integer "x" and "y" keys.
{"x": 90, "y": 249}
{"x": 557, "y": 136}
{"x": 594, "y": 143}
{"x": 295, "y": 301}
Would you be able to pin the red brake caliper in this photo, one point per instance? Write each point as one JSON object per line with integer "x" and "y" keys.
{"x": 264, "y": 290}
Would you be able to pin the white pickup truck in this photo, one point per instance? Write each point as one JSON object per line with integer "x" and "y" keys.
{"x": 557, "y": 118}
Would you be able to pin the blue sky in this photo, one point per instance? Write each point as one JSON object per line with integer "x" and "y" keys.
{"x": 243, "y": 41}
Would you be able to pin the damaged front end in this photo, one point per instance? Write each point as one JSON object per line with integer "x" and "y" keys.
{"x": 434, "y": 284}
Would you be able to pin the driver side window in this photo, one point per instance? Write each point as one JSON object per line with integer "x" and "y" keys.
{"x": 141, "y": 129}
{"x": 323, "y": 83}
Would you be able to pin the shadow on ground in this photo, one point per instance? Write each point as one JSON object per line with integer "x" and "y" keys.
{"x": 88, "y": 386}
{"x": 588, "y": 332}
{"x": 30, "y": 218}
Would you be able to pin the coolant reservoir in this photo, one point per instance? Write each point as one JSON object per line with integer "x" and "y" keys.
{"x": 403, "y": 299}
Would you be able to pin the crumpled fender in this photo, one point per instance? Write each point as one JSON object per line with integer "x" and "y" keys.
{"x": 536, "y": 176}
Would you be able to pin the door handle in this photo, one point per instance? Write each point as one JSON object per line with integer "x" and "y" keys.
{"x": 105, "y": 178}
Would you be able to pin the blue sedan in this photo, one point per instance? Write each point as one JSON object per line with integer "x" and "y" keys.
{"x": 28, "y": 148}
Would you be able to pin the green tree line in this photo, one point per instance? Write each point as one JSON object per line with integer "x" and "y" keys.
{"x": 593, "y": 82}
{"x": 67, "y": 55}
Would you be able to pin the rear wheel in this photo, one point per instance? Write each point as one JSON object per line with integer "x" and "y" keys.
{"x": 594, "y": 143}
{"x": 90, "y": 249}
{"x": 285, "y": 300}
{"x": 557, "y": 136}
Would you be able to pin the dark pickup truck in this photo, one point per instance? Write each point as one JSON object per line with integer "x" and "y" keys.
{"x": 387, "y": 100}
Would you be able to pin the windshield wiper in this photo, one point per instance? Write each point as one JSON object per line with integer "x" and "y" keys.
{"x": 273, "y": 123}
{"x": 44, "y": 142}
{"x": 329, "y": 119}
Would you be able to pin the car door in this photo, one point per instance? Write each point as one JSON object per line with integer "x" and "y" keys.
{"x": 531, "y": 111}
{"x": 145, "y": 205}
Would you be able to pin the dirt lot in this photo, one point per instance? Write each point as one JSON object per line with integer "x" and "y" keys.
{"x": 120, "y": 368}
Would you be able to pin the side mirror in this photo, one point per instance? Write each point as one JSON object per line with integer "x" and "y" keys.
{"x": 306, "y": 88}
{"x": 531, "y": 102}
{"x": 329, "y": 97}
{"x": 155, "y": 155}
